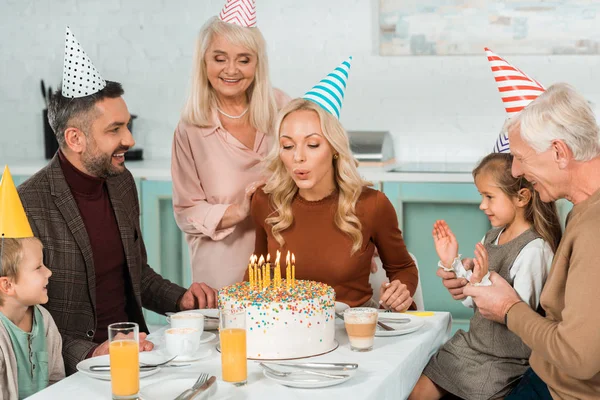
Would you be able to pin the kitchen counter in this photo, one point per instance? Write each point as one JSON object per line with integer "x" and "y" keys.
{"x": 160, "y": 169}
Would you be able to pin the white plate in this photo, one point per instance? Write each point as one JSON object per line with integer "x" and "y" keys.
{"x": 184, "y": 359}
{"x": 340, "y": 307}
{"x": 84, "y": 366}
{"x": 171, "y": 388}
{"x": 302, "y": 380}
{"x": 399, "y": 328}
{"x": 209, "y": 324}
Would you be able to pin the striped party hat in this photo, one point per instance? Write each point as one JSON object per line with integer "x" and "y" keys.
{"x": 80, "y": 77}
{"x": 516, "y": 89}
{"x": 239, "y": 12}
{"x": 329, "y": 92}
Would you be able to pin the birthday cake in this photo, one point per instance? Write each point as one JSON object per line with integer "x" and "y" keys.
{"x": 284, "y": 318}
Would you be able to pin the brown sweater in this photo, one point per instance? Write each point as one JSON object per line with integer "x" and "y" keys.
{"x": 566, "y": 343}
{"x": 323, "y": 251}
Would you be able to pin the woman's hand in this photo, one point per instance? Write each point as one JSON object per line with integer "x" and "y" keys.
{"x": 236, "y": 213}
{"x": 445, "y": 243}
{"x": 480, "y": 263}
{"x": 395, "y": 296}
{"x": 244, "y": 207}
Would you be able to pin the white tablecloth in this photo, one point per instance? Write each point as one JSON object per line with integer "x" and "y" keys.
{"x": 388, "y": 372}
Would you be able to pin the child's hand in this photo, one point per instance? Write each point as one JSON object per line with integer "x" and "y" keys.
{"x": 468, "y": 263}
{"x": 445, "y": 242}
{"x": 480, "y": 263}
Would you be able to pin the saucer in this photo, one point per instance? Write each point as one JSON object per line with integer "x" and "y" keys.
{"x": 187, "y": 358}
{"x": 84, "y": 366}
{"x": 207, "y": 337}
{"x": 401, "y": 328}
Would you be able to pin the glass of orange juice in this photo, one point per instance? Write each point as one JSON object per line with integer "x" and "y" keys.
{"x": 232, "y": 335}
{"x": 123, "y": 340}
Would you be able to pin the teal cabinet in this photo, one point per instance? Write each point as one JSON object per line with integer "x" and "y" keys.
{"x": 165, "y": 244}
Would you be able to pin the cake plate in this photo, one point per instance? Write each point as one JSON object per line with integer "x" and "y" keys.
{"x": 333, "y": 347}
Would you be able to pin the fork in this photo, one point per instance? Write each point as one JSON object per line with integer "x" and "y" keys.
{"x": 305, "y": 371}
{"x": 199, "y": 382}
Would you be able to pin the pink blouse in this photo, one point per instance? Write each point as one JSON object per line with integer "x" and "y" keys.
{"x": 210, "y": 169}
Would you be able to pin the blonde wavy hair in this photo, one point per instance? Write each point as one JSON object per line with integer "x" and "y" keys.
{"x": 202, "y": 99}
{"x": 282, "y": 187}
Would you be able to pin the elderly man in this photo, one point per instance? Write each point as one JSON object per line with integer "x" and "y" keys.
{"x": 556, "y": 146}
{"x": 84, "y": 207}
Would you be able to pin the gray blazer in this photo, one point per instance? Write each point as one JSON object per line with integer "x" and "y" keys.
{"x": 56, "y": 221}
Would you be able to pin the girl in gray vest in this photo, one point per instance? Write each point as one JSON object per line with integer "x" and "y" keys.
{"x": 488, "y": 360}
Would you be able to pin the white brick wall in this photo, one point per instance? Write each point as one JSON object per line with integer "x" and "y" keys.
{"x": 438, "y": 108}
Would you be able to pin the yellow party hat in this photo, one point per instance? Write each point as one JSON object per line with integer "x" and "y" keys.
{"x": 13, "y": 221}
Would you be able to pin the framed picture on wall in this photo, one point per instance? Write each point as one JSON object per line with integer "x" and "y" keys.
{"x": 454, "y": 27}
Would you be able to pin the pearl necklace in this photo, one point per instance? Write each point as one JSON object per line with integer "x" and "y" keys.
{"x": 233, "y": 116}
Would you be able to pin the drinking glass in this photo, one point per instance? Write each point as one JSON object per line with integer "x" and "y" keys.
{"x": 123, "y": 340}
{"x": 232, "y": 334}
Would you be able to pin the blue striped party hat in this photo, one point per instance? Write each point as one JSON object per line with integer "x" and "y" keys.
{"x": 329, "y": 92}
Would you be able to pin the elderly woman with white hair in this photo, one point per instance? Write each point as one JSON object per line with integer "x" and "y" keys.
{"x": 223, "y": 135}
{"x": 556, "y": 146}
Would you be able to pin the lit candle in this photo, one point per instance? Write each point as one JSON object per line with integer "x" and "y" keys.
{"x": 261, "y": 267}
{"x": 259, "y": 279}
{"x": 255, "y": 271}
{"x": 288, "y": 271}
{"x": 268, "y": 269}
{"x": 250, "y": 272}
{"x": 293, "y": 270}
{"x": 277, "y": 270}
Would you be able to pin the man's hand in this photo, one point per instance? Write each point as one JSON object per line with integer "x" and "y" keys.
{"x": 395, "y": 296}
{"x": 452, "y": 283}
{"x": 145, "y": 345}
{"x": 199, "y": 295}
{"x": 493, "y": 301}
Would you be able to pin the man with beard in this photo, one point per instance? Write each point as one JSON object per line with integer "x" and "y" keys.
{"x": 84, "y": 207}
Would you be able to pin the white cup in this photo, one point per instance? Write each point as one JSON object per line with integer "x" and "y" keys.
{"x": 182, "y": 341}
{"x": 186, "y": 319}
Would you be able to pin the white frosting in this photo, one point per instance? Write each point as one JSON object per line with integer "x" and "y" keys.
{"x": 290, "y": 329}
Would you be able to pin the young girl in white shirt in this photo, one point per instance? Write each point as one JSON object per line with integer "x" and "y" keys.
{"x": 486, "y": 361}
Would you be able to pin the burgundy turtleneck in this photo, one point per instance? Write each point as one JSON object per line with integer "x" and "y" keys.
{"x": 91, "y": 196}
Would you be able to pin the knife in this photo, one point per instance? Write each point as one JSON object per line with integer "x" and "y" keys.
{"x": 322, "y": 366}
{"x": 202, "y": 388}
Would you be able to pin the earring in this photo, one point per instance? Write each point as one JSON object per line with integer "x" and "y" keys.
{"x": 336, "y": 156}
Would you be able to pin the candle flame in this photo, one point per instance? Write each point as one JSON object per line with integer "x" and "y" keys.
{"x": 287, "y": 258}
{"x": 268, "y": 257}
{"x": 293, "y": 259}
{"x": 261, "y": 260}
{"x": 277, "y": 257}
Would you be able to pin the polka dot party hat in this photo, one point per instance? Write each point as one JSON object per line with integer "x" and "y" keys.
{"x": 516, "y": 89}
{"x": 239, "y": 12}
{"x": 329, "y": 92}
{"x": 80, "y": 77}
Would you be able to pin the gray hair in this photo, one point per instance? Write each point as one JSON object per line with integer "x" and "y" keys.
{"x": 64, "y": 112}
{"x": 560, "y": 113}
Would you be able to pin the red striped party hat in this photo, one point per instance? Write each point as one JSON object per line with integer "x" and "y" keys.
{"x": 516, "y": 89}
{"x": 239, "y": 12}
